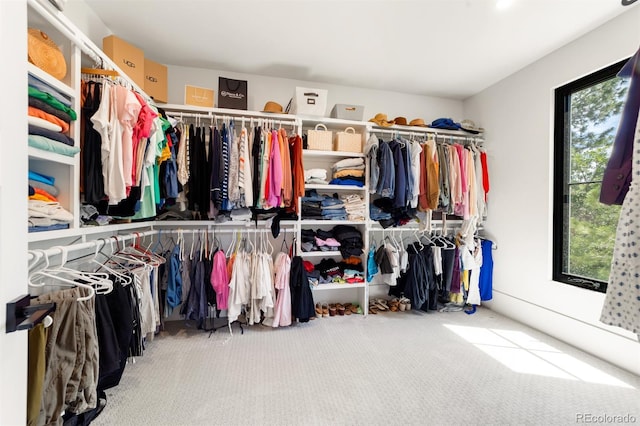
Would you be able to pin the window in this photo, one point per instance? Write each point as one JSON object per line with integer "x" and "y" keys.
{"x": 587, "y": 112}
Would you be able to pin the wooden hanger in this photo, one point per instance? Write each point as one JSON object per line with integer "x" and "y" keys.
{"x": 99, "y": 71}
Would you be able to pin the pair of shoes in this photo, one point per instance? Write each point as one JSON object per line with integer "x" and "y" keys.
{"x": 405, "y": 304}
{"x": 394, "y": 304}
{"x": 325, "y": 310}
{"x": 379, "y": 304}
{"x": 318, "y": 310}
{"x": 340, "y": 309}
{"x": 347, "y": 308}
{"x": 333, "y": 310}
{"x": 373, "y": 310}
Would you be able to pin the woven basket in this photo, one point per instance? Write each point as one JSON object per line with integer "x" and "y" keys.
{"x": 348, "y": 141}
{"x": 319, "y": 139}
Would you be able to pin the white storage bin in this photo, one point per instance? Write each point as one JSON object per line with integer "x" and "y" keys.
{"x": 348, "y": 112}
{"x": 309, "y": 101}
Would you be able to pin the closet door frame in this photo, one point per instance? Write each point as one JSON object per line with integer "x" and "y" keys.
{"x": 13, "y": 207}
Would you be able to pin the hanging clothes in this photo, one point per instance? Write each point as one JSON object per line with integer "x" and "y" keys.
{"x": 622, "y": 302}
{"x": 239, "y": 285}
{"x": 282, "y": 315}
{"x": 220, "y": 280}
{"x": 302, "y": 305}
{"x": 91, "y": 165}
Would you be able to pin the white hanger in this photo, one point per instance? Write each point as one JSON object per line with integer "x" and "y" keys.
{"x": 50, "y": 273}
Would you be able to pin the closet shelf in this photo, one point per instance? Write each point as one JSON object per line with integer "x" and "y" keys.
{"x": 335, "y": 187}
{"x": 51, "y": 235}
{"x": 243, "y": 225}
{"x": 331, "y": 122}
{"x": 35, "y": 153}
{"x": 306, "y": 222}
{"x": 329, "y": 154}
{"x": 51, "y": 81}
{"x": 336, "y": 286}
{"x": 89, "y": 230}
{"x": 424, "y": 130}
{"x": 172, "y": 109}
{"x": 320, "y": 253}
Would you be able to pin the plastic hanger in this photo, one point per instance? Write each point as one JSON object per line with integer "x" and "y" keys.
{"x": 124, "y": 278}
{"x": 60, "y": 281}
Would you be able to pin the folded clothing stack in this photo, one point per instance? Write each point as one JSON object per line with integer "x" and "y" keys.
{"x": 349, "y": 271}
{"x": 349, "y": 171}
{"x": 354, "y": 205}
{"x": 49, "y": 117}
{"x": 350, "y": 239}
{"x": 382, "y": 210}
{"x": 319, "y": 206}
{"x": 319, "y": 240}
{"x": 45, "y": 212}
{"x": 317, "y": 176}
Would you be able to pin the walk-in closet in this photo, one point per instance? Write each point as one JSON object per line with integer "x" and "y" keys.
{"x": 319, "y": 212}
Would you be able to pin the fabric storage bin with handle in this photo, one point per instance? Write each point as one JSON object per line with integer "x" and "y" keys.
{"x": 308, "y": 101}
{"x": 348, "y": 112}
{"x": 348, "y": 141}
{"x": 319, "y": 139}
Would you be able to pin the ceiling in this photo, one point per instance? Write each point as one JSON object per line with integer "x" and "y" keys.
{"x": 449, "y": 48}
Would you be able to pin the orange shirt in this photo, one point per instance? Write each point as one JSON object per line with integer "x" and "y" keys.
{"x": 35, "y": 112}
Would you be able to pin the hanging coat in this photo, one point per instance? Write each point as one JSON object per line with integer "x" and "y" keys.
{"x": 303, "y": 307}
{"x": 282, "y": 317}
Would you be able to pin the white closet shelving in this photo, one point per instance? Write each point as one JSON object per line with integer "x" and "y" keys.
{"x": 65, "y": 169}
{"x": 335, "y": 292}
{"x": 78, "y": 48}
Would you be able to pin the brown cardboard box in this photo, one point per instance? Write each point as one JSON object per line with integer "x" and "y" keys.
{"x": 129, "y": 58}
{"x": 155, "y": 80}
{"x": 198, "y": 96}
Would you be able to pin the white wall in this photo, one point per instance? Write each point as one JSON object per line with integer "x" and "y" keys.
{"x": 518, "y": 113}
{"x": 262, "y": 89}
{"x": 87, "y": 21}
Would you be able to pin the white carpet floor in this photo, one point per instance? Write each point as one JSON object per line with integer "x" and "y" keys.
{"x": 391, "y": 368}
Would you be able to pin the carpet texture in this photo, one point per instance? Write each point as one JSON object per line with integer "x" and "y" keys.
{"x": 390, "y": 368}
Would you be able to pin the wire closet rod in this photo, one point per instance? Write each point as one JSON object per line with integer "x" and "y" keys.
{"x": 214, "y": 231}
{"x": 118, "y": 239}
{"x": 426, "y": 133}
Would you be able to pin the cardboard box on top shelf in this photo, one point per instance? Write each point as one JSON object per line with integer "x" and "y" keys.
{"x": 155, "y": 80}
{"x": 129, "y": 58}
{"x": 198, "y": 96}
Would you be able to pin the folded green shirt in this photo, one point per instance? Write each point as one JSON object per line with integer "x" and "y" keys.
{"x": 47, "y": 144}
{"x": 45, "y": 97}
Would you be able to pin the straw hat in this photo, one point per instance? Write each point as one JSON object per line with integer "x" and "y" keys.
{"x": 381, "y": 120}
{"x": 45, "y": 54}
{"x": 470, "y": 126}
{"x": 417, "y": 122}
{"x": 273, "y": 107}
{"x": 400, "y": 121}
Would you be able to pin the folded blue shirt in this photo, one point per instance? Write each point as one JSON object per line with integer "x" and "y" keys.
{"x": 341, "y": 181}
{"x": 38, "y": 177}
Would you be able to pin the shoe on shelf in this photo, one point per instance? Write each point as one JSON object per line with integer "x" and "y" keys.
{"x": 340, "y": 308}
{"x": 325, "y": 310}
{"x": 347, "y": 308}
{"x": 318, "y": 310}
{"x": 373, "y": 310}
